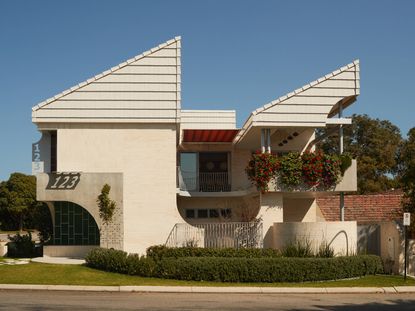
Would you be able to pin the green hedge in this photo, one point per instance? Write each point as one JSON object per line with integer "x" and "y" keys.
{"x": 236, "y": 269}
{"x": 118, "y": 261}
{"x": 268, "y": 269}
{"x": 160, "y": 251}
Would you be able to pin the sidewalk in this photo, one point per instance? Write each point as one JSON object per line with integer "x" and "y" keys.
{"x": 221, "y": 290}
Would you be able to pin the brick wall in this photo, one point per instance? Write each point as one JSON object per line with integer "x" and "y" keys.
{"x": 363, "y": 208}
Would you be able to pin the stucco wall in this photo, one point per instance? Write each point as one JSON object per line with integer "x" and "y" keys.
{"x": 146, "y": 155}
{"x": 341, "y": 236}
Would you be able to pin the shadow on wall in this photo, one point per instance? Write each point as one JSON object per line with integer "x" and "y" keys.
{"x": 340, "y": 236}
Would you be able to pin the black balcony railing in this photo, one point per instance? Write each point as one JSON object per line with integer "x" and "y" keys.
{"x": 204, "y": 182}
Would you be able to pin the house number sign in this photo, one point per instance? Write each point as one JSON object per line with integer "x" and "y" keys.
{"x": 63, "y": 181}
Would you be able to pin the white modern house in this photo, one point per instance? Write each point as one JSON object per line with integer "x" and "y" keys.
{"x": 167, "y": 166}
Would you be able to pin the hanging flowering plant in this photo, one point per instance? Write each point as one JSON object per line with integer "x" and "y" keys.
{"x": 313, "y": 169}
{"x": 313, "y": 166}
{"x": 261, "y": 169}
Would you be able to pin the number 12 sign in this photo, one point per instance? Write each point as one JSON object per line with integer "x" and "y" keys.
{"x": 63, "y": 181}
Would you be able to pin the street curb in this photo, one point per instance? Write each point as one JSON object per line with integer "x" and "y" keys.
{"x": 221, "y": 290}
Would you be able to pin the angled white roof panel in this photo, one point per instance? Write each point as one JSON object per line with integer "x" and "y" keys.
{"x": 145, "y": 88}
{"x": 310, "y": 105}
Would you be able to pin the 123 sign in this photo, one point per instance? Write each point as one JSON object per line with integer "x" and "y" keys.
{"x": 63, "y": 181}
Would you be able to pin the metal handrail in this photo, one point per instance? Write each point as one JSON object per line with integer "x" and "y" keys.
{"x": 204, "y": 181}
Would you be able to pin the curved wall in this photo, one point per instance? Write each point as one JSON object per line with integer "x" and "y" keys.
{"x": 340, "y": 235}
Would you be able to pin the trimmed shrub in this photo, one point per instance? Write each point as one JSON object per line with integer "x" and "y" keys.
{"x": 235, "y": 269}
{"x": 21, "y": 246}
{"x": 268, "y": 269}
{"x": 119, "y": 261}
{"x": 160, "y": 251}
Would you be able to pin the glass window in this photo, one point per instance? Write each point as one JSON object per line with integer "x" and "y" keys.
{"x": 190, "y": 213}
{"x": 188, "y": 170}
{"x": 202, "y": 213}
{"x": 213, "y": 213}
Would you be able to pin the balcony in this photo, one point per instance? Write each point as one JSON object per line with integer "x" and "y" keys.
{"x": 348, "y": 183}
{"x": 204, "y": 181}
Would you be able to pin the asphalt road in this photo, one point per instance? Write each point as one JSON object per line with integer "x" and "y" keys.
{"x": 11, "y": 300}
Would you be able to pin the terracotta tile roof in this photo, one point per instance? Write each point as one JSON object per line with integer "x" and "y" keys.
{"x": 363, "y": 208}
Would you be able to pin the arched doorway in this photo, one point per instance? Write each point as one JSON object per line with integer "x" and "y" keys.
{"x": 73, "y": 225}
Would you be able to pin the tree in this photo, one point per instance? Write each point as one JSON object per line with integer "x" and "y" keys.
{"x": 375, "y": 144}
{"x": 407, "y": 174}
{"x": 106, "y": 205}
{"x": 18, "y": 197}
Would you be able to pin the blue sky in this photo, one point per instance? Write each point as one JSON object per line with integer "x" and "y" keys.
{"x": 235, "y": 54}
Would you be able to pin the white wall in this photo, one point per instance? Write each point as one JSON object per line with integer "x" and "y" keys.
{"x": 340, "y": 235}
{"x": 146, "y": 155}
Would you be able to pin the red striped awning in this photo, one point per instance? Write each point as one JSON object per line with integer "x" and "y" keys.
{"x": 209, "y": 136}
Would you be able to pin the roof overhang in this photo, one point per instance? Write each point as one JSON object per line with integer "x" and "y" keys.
{"x": 209, "y": 136}
{"x": 312, "y": 105}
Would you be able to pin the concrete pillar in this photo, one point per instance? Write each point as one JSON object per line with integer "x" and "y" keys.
{"x": 271, "y": 211}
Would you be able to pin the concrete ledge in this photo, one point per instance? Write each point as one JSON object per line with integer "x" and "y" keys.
{"x": 405, "y": 289}
{"x": 357, "y": 290}
{"x": 221, "y": 290}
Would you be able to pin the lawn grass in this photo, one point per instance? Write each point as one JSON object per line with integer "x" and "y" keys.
{"x": 51, "y": 274}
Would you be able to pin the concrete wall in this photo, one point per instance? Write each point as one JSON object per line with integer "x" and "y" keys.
{"x": 146, "y": 155}
{"x": 271, "y": 211}
{"x": 299, "y": 209}
{"x": 72, "y": 251}
{"x": 341, "y": 236}
{"x": 85, "y": 194}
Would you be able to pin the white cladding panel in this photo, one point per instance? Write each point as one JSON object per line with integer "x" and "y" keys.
{"x": 208, "y": 119}
{"x": 312, "y": 103}
{"x": 146, "y": 88}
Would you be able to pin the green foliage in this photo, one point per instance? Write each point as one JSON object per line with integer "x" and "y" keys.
{"x": 21, "y": 246}
{"x": 268, "y": 269}
{"x": 160, "y": 251}
{"x": 235, "y": 269}
{"x": 290, "y": 173}
{"x": 119, "y": 261}
{"x": 19, "y": 208}
{"x": 106, "y": 205}
{"x": 325, "y": 251}
{"x": 345, "y": 162}
{"x": 18, "y": 197}
{"x": 299, "y": 249}
{"x": 407, "y": 174}
{"x": 374, "y": 143}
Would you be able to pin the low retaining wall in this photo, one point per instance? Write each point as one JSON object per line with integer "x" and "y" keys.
{"x": 340, "y": 235}
{"x": 72, "y": 251}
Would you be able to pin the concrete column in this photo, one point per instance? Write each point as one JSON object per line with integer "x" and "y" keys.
{"x": 268, "y": 132}
{"x": 263, "y": 140}
{"x": 271, "y": 211}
